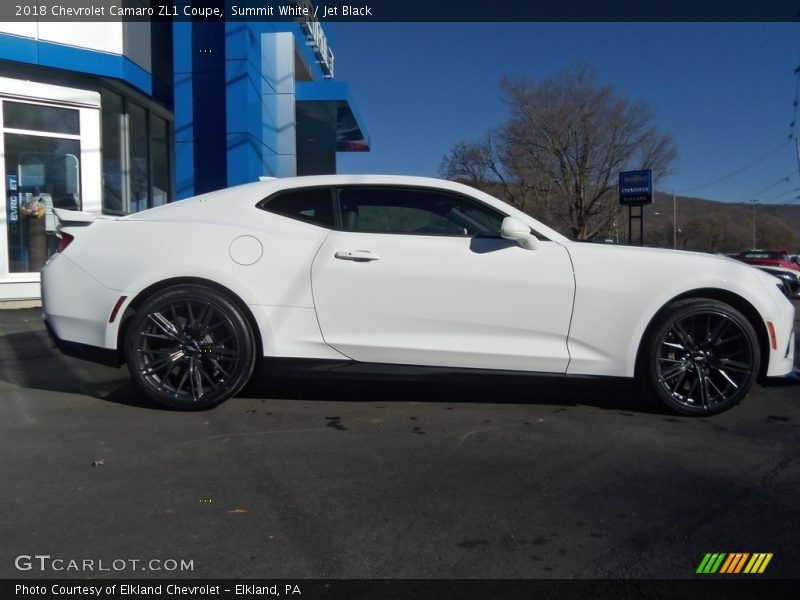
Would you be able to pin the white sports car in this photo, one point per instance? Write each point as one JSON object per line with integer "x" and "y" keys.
{"x": 400, "y": 271}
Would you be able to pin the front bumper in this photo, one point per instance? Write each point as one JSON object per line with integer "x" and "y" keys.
{"x": 781, "y": 354}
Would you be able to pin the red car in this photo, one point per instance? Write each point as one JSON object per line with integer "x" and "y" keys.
{"x": 768, "y": 258}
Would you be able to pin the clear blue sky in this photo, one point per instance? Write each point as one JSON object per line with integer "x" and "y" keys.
{"x": 725, "y": 91}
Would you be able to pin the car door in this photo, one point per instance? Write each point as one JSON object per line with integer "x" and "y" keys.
{"x": 420, "y": 276}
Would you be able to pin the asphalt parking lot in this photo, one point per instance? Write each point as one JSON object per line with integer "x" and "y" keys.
{"x": 467, "y": 478}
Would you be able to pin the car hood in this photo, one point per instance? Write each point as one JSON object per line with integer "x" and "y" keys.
{"x": 687, "y": 269}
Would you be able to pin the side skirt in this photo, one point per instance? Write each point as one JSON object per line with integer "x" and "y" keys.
{"x": 323, "y": 368}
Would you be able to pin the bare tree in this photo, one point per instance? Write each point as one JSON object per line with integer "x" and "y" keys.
{"x": 774, "y": 233}
{"x": 714, "y": 230}
{"x": 558, "y": 154}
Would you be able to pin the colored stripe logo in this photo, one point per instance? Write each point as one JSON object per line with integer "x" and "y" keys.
{"x": 734, "y": 562}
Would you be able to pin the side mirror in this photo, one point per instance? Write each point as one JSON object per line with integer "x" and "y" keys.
{"x": 515, "y": 230}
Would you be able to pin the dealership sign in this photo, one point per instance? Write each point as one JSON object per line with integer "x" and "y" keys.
{"x": 635, "y": 188}
{"x": 315, "y": 35}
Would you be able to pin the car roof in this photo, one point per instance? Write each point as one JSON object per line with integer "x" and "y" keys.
{"x": 224, "y": 205}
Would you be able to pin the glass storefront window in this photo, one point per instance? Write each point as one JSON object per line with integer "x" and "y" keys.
{"x": 42, "y": 173}
{"x": 35, "y": 117}
{"x": 159, "y": 150}
{"x": 40, "y": 150}
{"x": 139, "y": 165}
{"x": 137, "y": 173}
{"x": 113, "y": 124}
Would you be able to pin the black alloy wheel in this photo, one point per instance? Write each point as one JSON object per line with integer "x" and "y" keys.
{"x": 189, "y": 347}
{"x": 702, "y": 357}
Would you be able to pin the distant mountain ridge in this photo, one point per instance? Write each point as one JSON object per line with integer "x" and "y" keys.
{"x": 714, "y": 226}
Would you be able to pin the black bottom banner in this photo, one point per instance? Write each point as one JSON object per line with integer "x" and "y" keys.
{"x": 441, "y": 589}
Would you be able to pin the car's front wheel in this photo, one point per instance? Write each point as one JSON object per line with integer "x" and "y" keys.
{"x": 189, "y": 347}
{"x": 701, "y": 357}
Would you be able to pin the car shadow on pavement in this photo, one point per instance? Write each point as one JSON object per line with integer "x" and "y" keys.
{"x": 468, "y": 388}
{"x": 28, "y": 359}
{"x": 489, "y": 389}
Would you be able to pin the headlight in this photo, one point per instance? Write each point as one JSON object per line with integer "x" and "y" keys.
{"x": 785, "y": 288}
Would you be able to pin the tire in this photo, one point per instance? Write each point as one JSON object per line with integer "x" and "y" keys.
{"x": 189, "y": 347}
{"x": 700, "y": 358}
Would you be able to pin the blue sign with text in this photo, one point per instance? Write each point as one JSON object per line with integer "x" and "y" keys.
{"x": 635, "y": 188}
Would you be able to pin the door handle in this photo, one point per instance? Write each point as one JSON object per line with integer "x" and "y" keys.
{"x": 357, "y": 255}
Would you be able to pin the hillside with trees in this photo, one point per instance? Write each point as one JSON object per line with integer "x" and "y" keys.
{"x": 709, "y": 226}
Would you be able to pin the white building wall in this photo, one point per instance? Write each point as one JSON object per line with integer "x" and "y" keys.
{"x": 129, "y": 39}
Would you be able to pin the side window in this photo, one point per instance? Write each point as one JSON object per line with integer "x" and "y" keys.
{"x": 313, "y": 205}
{"x": 415, "y": 211}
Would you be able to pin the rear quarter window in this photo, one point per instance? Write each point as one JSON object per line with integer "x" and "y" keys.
{"x": 311, "y": 205}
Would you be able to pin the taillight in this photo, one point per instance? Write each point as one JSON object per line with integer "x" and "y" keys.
{"x": 64, "y": 240}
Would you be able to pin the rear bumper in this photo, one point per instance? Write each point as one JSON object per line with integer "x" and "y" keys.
{"x": 77, "y": 307}
{"x": 104, "y": 356}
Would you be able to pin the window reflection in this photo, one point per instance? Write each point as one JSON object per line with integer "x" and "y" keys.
{"x": 137, "y": 173}
{"x": 159, "y": 150}
{"x": 42, "y": 173}
{"x": 139, "y": 161}
{"x": 113, "y": 152}
{"x": 36, "y": 117}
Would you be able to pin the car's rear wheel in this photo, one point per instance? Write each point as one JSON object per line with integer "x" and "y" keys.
{"x": 701, "y": 357}
{"x": 189, "y": 347}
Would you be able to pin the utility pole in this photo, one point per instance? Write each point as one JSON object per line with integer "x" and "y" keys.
{"x": 754, "y": 223}
{"x": 797, "y": 146}
{"x": 674, "y": 222}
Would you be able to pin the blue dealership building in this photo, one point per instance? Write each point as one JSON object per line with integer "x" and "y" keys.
{"x": 115, "y": 117}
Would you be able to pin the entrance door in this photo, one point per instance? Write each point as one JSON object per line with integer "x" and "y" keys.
{"x": 43, "y": 171}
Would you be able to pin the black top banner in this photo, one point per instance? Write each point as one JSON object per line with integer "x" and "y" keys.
{"x": 398, "y": 10}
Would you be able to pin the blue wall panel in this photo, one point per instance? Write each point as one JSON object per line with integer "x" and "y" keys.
{"x": 182, "y": 46}
{"x": 184, "y": 169}
{"x": 235, "y": 101}
{"x": 184, "y": 108}
{"x": 249, "y": 141}
{"x": 59, "y": 56}
{"x": 17, "y": 48}
{"x": 245, "y": 154}
{"x": 243, "y": 97}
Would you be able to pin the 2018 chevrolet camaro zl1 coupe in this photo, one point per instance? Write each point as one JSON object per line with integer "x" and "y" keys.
{"x": 385, "y": 270}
